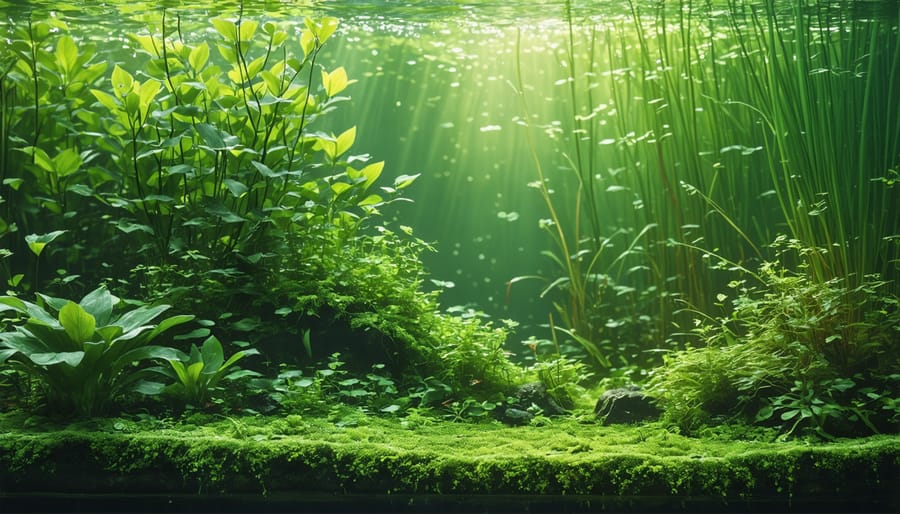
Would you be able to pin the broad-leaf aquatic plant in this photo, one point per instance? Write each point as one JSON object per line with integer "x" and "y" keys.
{"x": 84, "y": 353}
{"x": 196, "y": 375}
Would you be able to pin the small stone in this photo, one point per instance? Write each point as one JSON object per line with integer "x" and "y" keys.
{"x": 513, "y": 416}
{"x": 625, "y": 405}
{"x": 535, "y": 393}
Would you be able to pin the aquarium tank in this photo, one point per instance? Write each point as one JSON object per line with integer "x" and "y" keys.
{"x": 472, "y": 255}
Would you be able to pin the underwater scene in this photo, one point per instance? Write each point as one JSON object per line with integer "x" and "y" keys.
{"x": 450, "y": 256}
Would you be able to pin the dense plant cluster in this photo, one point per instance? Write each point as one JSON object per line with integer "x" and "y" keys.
{"x": 794, "y": 353}
{"x": 189, "y": 175}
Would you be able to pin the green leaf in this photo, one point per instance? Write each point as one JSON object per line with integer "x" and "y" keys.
{"x": 106, "y": 99}
{"x": 40, "y": 157}
{"x": 323, "y": 28}
{"x": 344, "y": 142}
{"x": 149, "y": 388}
{"x": 122, "y": 81}
{"x": 148, "y": 91}
{"x": 211, "y": 355}
{"x": 77, "y": 322}
{"x": 788, "y": 415}
{"x": 237, "y": 189}
{"x": 193, "y": 372}
{"x": 13, "y": 183}
{"x": 372, "y": 172}
{"x": 37, "y": 242}
{"x": 247, "y": 29}
{"x": 67, "y": 162}
{"x": 306, "y": 343}
{"x": 99, "y": 303}
{"x": 66, "y": 54}
{"x": 129, "y": 227}
{"x": 48, "y": 359}
{"x": 212, "y": 136}
{"x": 136, "y": 318}
{"x": 228, "y": 29}
{"x": 335, "y": 82}
{"x": 371, "y": 200}
{"x": 405, "y": 180}
{"x": 180, "y": 370}
{"x": 264, "y": 170}
{"x": 224, "y": 214}
{"x": 199, "y": 56}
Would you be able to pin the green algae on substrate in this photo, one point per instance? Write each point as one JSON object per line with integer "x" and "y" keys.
{"x": 383, "y": 456}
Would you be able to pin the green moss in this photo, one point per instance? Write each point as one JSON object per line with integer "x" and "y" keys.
{"x": 382, "y": 457}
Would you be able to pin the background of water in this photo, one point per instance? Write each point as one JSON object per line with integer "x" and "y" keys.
{"x": 435, "y": 96}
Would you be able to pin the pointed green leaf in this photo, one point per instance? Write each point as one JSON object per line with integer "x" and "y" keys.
{"x": 372, "y": 172}
{"x": 323, "y": 28}
{"x": 109, "y": 333}
{"x": 199, "y": 56}
{"x": 77, "y": 322}
{"x": 122, "y": 82}
{"x": 345, "y": 141}
{"x": 40, "y": 157}
{"x": 168, "y": 323}
{"x": 211, "y": 355}
{"x": 247, "y": 29}
{"x": 67, "y": 162}
{"x": 99, "y": 303}
{"x": 148, "y": 92}
{"x": 37, "y": 242}
{"x": 108, "y": 100}
{"x": 149, "y": 388}
{"x": 335, "y": 82}
{"x": 371, "y": 200}
{"x": 66, "y": 54}
{"x": 237, "y": 189}
{"x": 136, "y": 318}
{"x": 405, "y": 180}
{"x": 193, "y": 372}
{"x": 6, "y": 354}
{"x": 180, "y": 370}
{"x": 211, "y": 136}
{"x": 228, "y": 29}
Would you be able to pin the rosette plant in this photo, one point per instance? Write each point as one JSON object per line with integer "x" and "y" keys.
{"x": 197, "y": 374}
{"x": 84, "y": 353}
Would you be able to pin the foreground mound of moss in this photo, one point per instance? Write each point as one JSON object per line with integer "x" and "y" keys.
{"x": 314, "y": 460}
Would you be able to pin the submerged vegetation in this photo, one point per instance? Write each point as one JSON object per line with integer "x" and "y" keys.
{"x": 728, "y": 205}
{"x": 719, "y": 197}
{"x": 203, "y": 171}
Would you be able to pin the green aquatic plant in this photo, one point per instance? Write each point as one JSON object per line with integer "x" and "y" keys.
{"x": 196, "y": 375}
{"x": 83, "y": 353}
{"x": 588, "y": 262}
{"x": 669, "y": 113}
{"x": 790, "y": 346}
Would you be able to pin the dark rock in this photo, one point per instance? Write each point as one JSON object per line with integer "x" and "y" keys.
{"x": 513, "y": 416}
{"x": 625, "y": 405}
{"x": 535, "y": 394}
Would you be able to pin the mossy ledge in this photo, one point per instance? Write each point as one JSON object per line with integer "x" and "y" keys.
{"x": 388, "y": 463}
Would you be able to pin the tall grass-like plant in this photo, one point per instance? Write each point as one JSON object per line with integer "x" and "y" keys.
{"x": 704, "y": 130}
{"x": 584, "y": 254}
